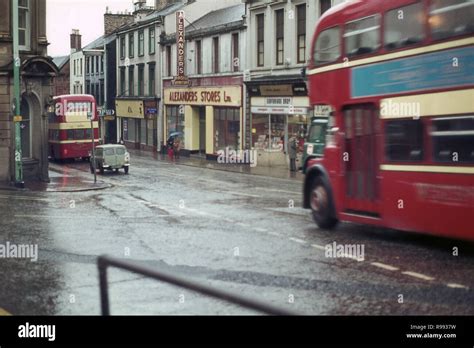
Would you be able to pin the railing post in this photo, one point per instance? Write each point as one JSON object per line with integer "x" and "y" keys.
{"x": 104, "y": 290}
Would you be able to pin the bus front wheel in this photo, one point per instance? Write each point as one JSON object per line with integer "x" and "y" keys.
{"x": 322, "y": 205}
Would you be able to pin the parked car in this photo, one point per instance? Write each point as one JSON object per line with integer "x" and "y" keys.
{"x": 111, "y": 157}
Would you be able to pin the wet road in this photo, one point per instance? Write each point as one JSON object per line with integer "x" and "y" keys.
{"x": 238, "y": 232}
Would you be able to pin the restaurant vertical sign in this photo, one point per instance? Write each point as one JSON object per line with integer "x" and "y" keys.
{"x": 180, "y": 79}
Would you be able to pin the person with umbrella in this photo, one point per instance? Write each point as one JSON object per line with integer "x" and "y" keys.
{"x": 171, "y": 144}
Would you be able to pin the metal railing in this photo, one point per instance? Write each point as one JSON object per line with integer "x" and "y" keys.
{"x": 104, "y": 262}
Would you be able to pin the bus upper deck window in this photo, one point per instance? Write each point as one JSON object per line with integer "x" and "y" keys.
{"x": 328, "y": 46}
{"x": 404, "y": 26}
{"x": 362, "y": 36}
{"x": 449, "y": 18}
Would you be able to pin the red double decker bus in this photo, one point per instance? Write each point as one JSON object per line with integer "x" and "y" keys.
{"x": 394, "y": 81}
{"x": 70, "y": 131}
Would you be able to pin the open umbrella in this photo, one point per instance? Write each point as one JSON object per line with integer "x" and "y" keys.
{"x": 175, "y": 134}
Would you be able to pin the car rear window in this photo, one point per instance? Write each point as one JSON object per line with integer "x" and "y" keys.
{"x": 120, "y": 151}
{"x": 109, "y": 152}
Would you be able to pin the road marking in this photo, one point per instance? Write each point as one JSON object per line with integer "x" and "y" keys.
{"x": 418, "y": 275}
{"x": 241, "y": 194}
{"x": 298, "y": 240}
{"x": 26, "y": 198}
{"x": 384, "y": 266}
{"x": 317, "y": 246}
{"x": 457, "y": 286}
{"x": 4, "y": 312}
{"x": 258, "y": 229}
{"x": 275, "y": 234}
{"x": 243, "y": 224}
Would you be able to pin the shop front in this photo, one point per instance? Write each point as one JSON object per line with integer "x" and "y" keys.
{"x": 137, "y": 123}
{"x": 277, "y": 113}
{"x": 208, "y": 119}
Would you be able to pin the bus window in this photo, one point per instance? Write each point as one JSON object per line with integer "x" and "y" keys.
{"x": 328, "y": 47}
{"x": 362, "y": 36}
{"x": 88, "y": 134}
{"x": 450, "y": 18}
{"x": 70, "y": 134}
{"x": 453, "y": 139}
{"x": 404, "y": 140}
{"x": 404, "y": 26}
{"x": 79, "y": 134}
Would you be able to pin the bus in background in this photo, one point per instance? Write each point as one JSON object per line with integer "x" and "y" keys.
{"x": 70, "y": 132}
{"x": 399, "y": 153}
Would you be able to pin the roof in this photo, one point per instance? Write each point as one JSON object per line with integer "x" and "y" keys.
{"x": 153, "y": 16}
{"x": 60, "y": 61}
{"x": 99, "y": 42}
{"x": 219, "y": 17}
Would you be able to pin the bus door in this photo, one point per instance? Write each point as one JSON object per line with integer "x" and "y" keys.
{"x": 360, "y": 159}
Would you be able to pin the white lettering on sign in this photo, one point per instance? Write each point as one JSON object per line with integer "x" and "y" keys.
{"x": 279, "y": 101}
{"x": 180, "y": 42}
{"x": 322, "y": 110}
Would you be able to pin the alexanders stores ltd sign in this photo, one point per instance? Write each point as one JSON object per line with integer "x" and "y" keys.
{"x": 219, "y": 96}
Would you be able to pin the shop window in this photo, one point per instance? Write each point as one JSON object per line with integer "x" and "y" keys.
{"x": 453, "y": 139}
{"x": 143, "y": 130}
{"x": 404, "y": 140}
{"x": 226, "y": 128}
{"x": 328, "y": 47}
{"x": 450, "y": 18}
{"x": 362, "y": 36}
{"x": 404, "y": 26}
{"x": 130, "y": 134}
{"x": 175, "y": 120}
{"x": 268, "y": 132}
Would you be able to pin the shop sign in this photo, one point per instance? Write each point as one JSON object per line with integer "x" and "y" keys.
{"x": 220, "y": 96}
{"x": 180, "y": 42}
{"x": 283, "y": 101}
{"x": 130, "y": 108}
{"x": 276, "y": 90}
{"x": 290, "y": 110}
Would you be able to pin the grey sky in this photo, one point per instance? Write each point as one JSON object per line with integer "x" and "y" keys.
{"x": 85, "y": 15}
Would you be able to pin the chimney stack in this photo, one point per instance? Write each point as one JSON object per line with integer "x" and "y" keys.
{"x": 113, "y": 21}
{"x": 76, "y": 44}
{"x": 161, "y": 4}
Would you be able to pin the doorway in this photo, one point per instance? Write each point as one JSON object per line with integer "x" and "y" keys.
{"x": 361, "y": 183}
{"x": 202, "y": 130}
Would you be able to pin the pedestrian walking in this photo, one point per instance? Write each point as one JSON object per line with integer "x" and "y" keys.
{"x": 292, "y": 151}
{"x": 170, "y": 147}
{"x": 176, "y": 147}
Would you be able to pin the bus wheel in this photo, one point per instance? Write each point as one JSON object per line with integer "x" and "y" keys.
{"x": 321, "y": 203}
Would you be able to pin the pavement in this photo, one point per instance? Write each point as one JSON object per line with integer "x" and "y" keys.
{"x": 63, "y": 181}
{"x": 201, "y": 162}
{"x": 60, "y": 181}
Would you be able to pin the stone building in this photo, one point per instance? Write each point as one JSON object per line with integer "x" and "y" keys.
{"x": 278, "y": 48}
{"x": 37, "y": 73}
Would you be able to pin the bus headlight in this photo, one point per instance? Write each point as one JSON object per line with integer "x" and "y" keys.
{"x": 309, "y": 149}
